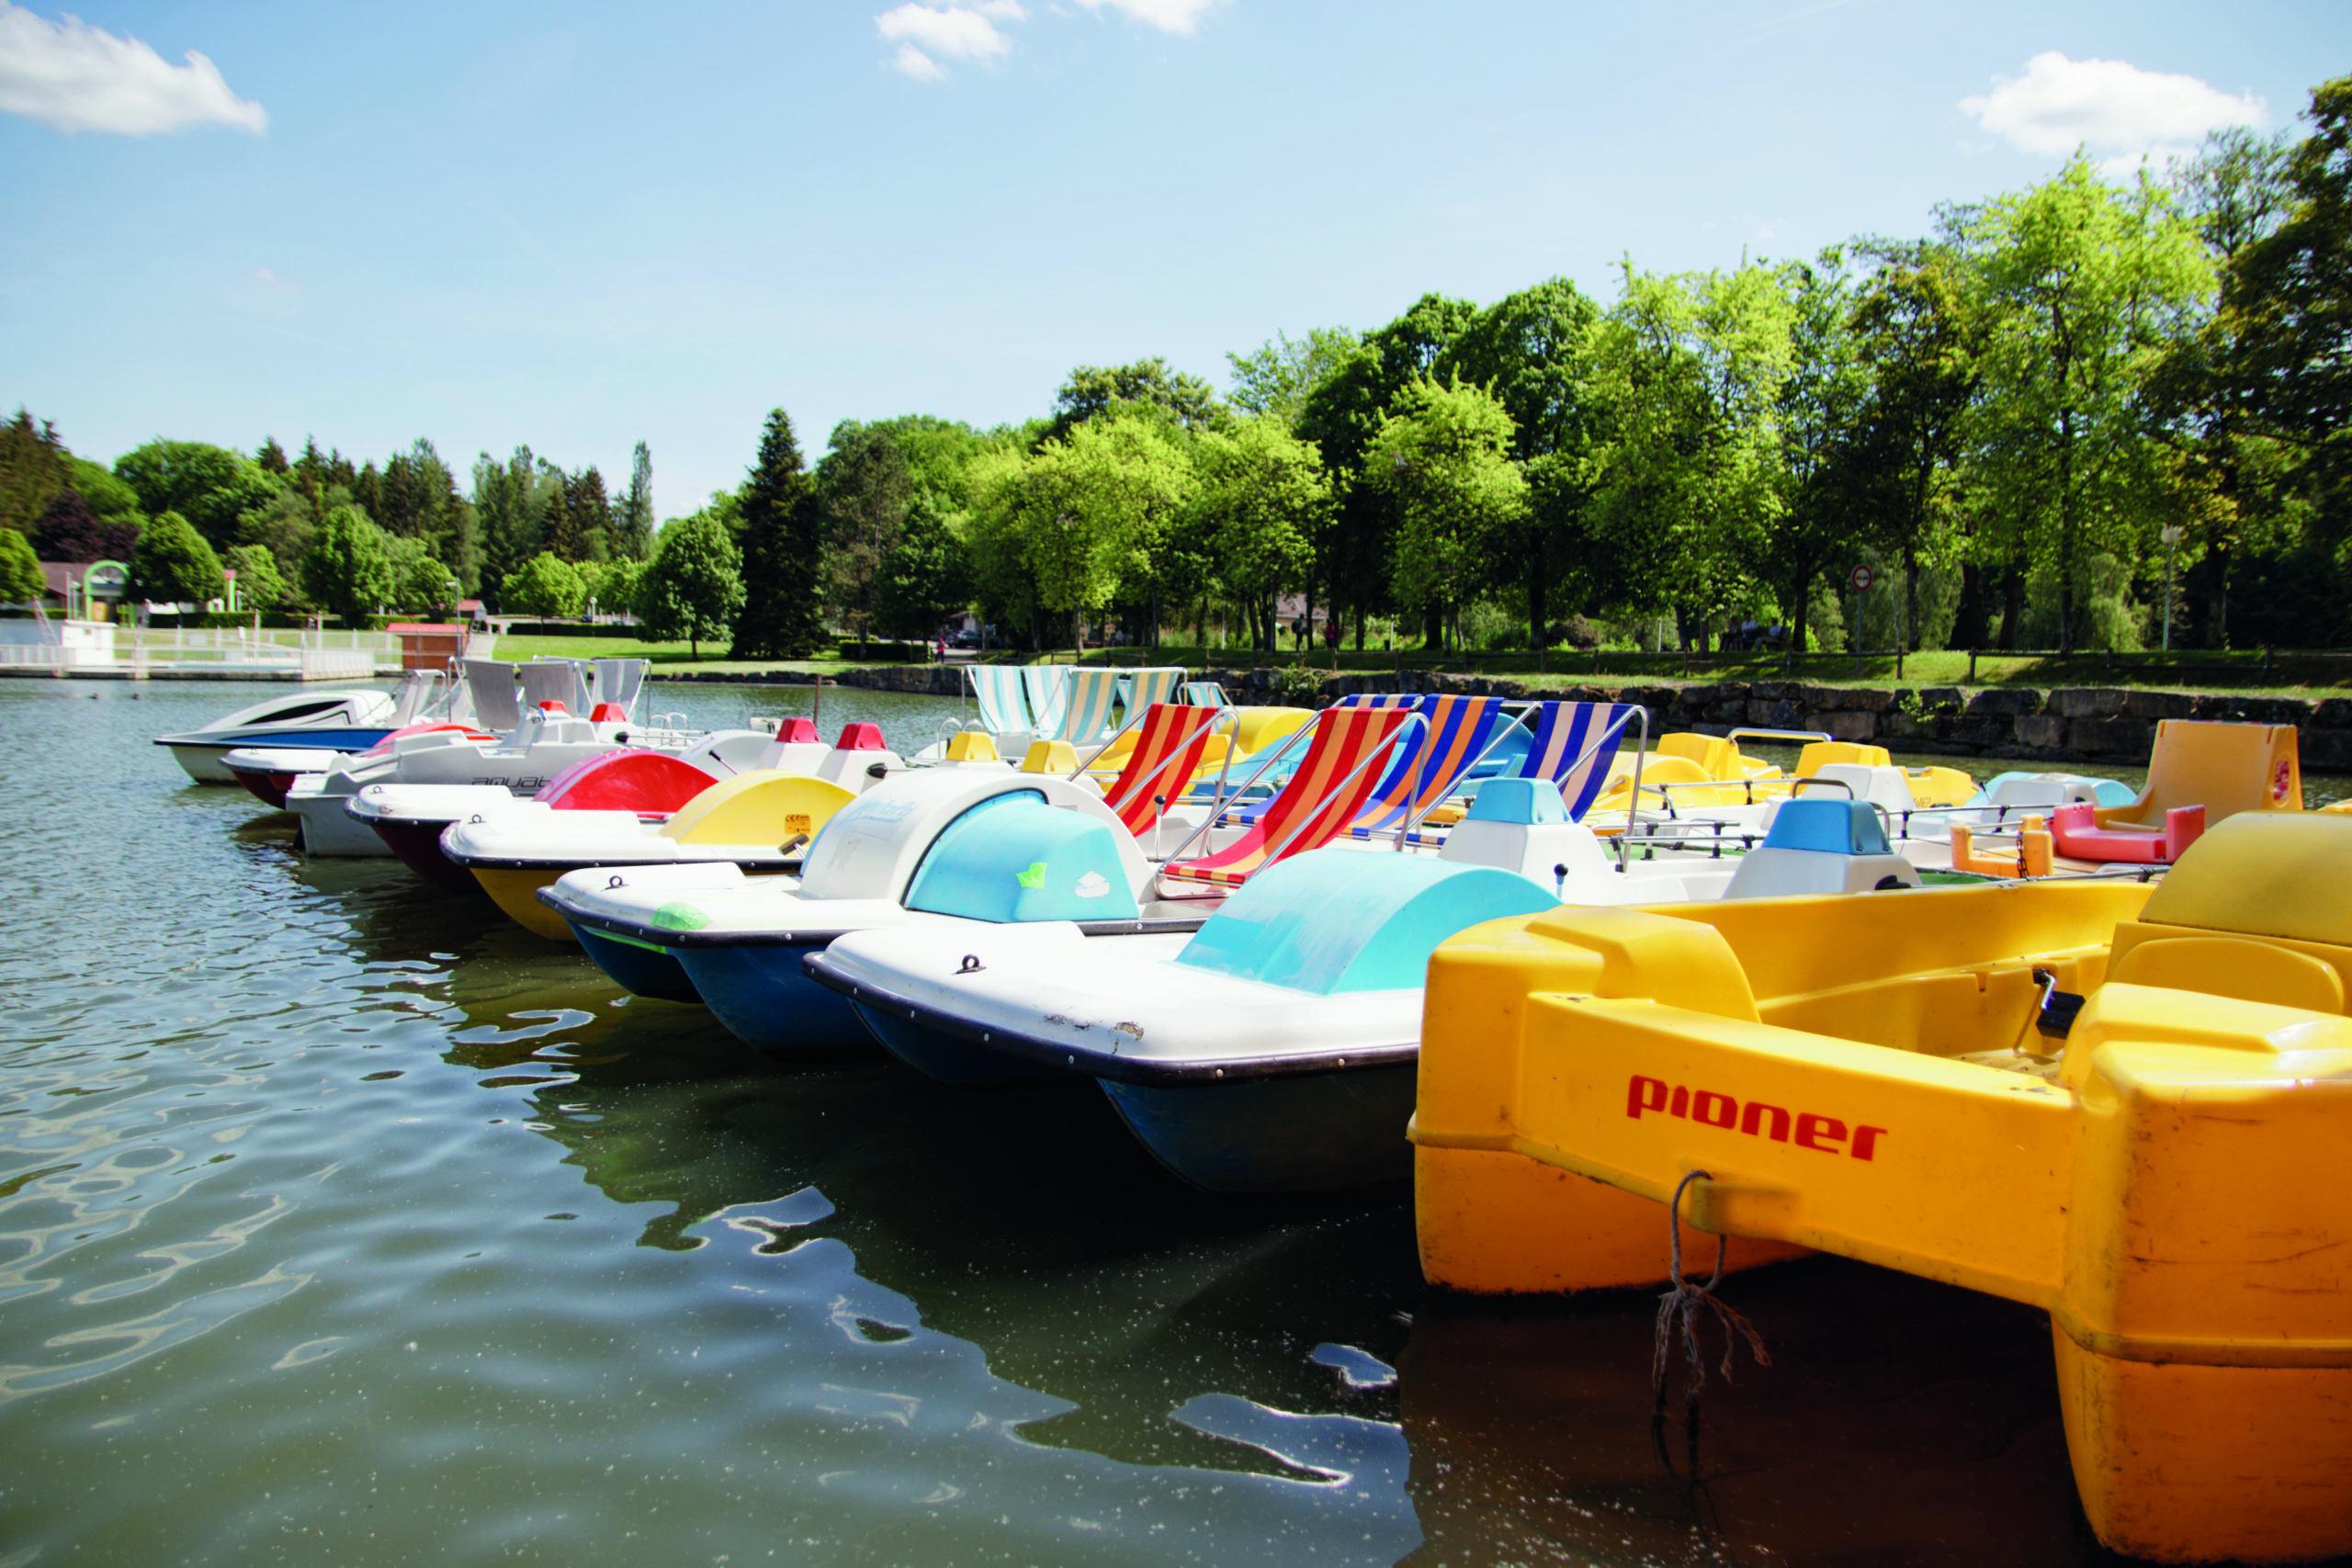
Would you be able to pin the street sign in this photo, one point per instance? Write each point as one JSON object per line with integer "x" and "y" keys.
{"x": 1862, "y": 579}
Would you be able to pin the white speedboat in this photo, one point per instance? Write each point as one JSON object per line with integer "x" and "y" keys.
{"x": 326, "y": 722}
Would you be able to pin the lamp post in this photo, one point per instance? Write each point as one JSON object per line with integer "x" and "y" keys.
{"x": 451, "y": 584}
{"x": 2173, "y": 533}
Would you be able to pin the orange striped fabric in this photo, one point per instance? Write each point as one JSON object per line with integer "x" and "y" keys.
{"x": 1427, "y": 768}
{"x": 1319, "y": 801}
{"x": 1168, "y": 750}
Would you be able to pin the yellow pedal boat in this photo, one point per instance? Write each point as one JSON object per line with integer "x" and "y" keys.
{"x": 1895, "y": 1078}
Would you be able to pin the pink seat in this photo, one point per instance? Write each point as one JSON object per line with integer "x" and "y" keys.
{"x": 2075, "y": 828}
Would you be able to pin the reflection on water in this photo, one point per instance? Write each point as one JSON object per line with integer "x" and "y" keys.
{"x": 340, "y": 1217}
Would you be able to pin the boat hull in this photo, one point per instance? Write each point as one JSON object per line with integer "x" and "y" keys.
{"x": 944, "y": 1056}
{"x": 418, "y": 845}
{"x": 759, "y": 994}
{"x": 202, "y": 759}
{"x": 329, "y": 829}
{"x": 637, "y": 967}
{"x": 1313, "y": 1132}
{"x": 516, "y": 890}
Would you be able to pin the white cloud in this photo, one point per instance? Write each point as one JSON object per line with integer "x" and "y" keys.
{"x": 1168, "y": 16}
{"x": 956, "y": 32}
{"x": 77, "y": 77}
{"x": 916, "y": 63}
{"x": 2112, "y": 107}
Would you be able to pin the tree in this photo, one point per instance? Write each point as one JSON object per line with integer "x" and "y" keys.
{"x": 558, "y": 530}
{"x": 783, "y": 612}
{"x": 547, "y": 586}
{"x": 1443, "y": 457}
{"x": 1342, "y": 416}
{"x": 211, "y": 487}
{"x": 283, "y": 526}
{"x": 2292, "y": 293}
{"x": 1686, "y": 479}
{"x": 34, "y": 466}
{"x": 421, "y": 501}
{"x": 1092, "y": 391}
{"x": 1279, "y": 377}
{"x": 2082, "y": 284}
{"x": 1915, "y": 334}
{"x": 614, "y": 586}
{"x": 420, "y": 581}
{"x": 1528, "y": 349}
{"x": 348, "y": 568}
{"x": 864, "y": 489}
{"x": 1264, "y": 500}
{"x": 633, "y": 516}
{"x": 1827, "y": 511}
{"x": 1088, "y": 510}
{"x": 69, "y": 531}
{"x": 927, "y": 575}
{"x": 259, "y": 584}
{"x": 509, "y": 506}
{"x": 20, "y": 578}
{"x": 590, "y": 514}
{"x": 272, "y": 457}
{"x": 695, "y": 588}
{"x": 174, "y": 565}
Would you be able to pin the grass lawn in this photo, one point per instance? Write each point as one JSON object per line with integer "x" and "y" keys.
{"x": 666, "y": 657}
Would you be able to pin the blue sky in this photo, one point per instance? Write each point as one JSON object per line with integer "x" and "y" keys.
{"x": 581, "y": 226}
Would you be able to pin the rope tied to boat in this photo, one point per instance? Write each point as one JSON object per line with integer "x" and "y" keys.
{"x": 1678, "y": 1311}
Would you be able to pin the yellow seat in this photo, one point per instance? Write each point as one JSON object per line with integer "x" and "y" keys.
{"x": 1819, "y": 754}
{"x": 757, "y": 808}
{"x": 971, "y": 746}
{"x": 1050, "y": 757}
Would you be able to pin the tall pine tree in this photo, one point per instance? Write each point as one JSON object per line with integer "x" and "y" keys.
{"x": 782, "y": 616}
{"x": 633, "y": 518}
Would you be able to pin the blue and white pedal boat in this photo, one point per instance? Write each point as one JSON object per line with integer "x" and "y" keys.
{"x": 951, "y": 848}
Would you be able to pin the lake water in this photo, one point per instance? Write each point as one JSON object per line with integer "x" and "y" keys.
{"x": 342, "y": 1221}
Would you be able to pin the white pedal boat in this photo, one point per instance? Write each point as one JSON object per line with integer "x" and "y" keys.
{"x": 1274, "y": 1050}
{"x": 926, "y": 847}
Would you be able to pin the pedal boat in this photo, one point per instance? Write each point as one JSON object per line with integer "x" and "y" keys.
{"x": 1274, "y": 1050}
{"x": 648, "y": 786}
{"x": 921, "y": 847}
{"x": 2128, "y": 1103}
{"x": 411, "y": 818}
{"x": 306, "y": 721}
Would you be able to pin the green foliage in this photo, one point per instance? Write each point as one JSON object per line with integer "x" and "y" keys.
{"x": 633, "y": 514}
{"x": 1263, "y": 501}
{"x": 614, "y": 586}
{"x": 782, "y": 555}
{"x": 211, "y": 487}
{"x": 1094, "y": 391}
{"x": 109, "y": 499}
{"x": 2080, "y": 283}
{"x": 927, "y": 576}
{"x": 1278, "y": 377}
{"x": 695, "y": 588}
{"x": 20, "y": 580}
{"x": 34, "y": 466}
{"x": 283, "y": 526}
{"x": 348, "y": 566}
{"x": 864, "y": 489}
{"x": 546, "y": 585}
{"x": 2291, "y": 294}
{"x": 1085, "y": 514}
{"x": 1686, "y": 482}
{"x": 1443, "y": 457}
{"x": 259, "y": 584}
{"x": 174, "y": 565}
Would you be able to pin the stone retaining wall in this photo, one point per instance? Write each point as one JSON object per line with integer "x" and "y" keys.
{"x": 2071, "y": 724}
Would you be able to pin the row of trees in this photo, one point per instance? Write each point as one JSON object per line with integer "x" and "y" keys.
{"x": 2029, "y": 419}
{"x": 317, "y": 531}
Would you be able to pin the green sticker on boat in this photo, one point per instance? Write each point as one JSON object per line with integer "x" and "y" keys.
{"x": 1034, "y": 877}
{"x": 680, "y": 916}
